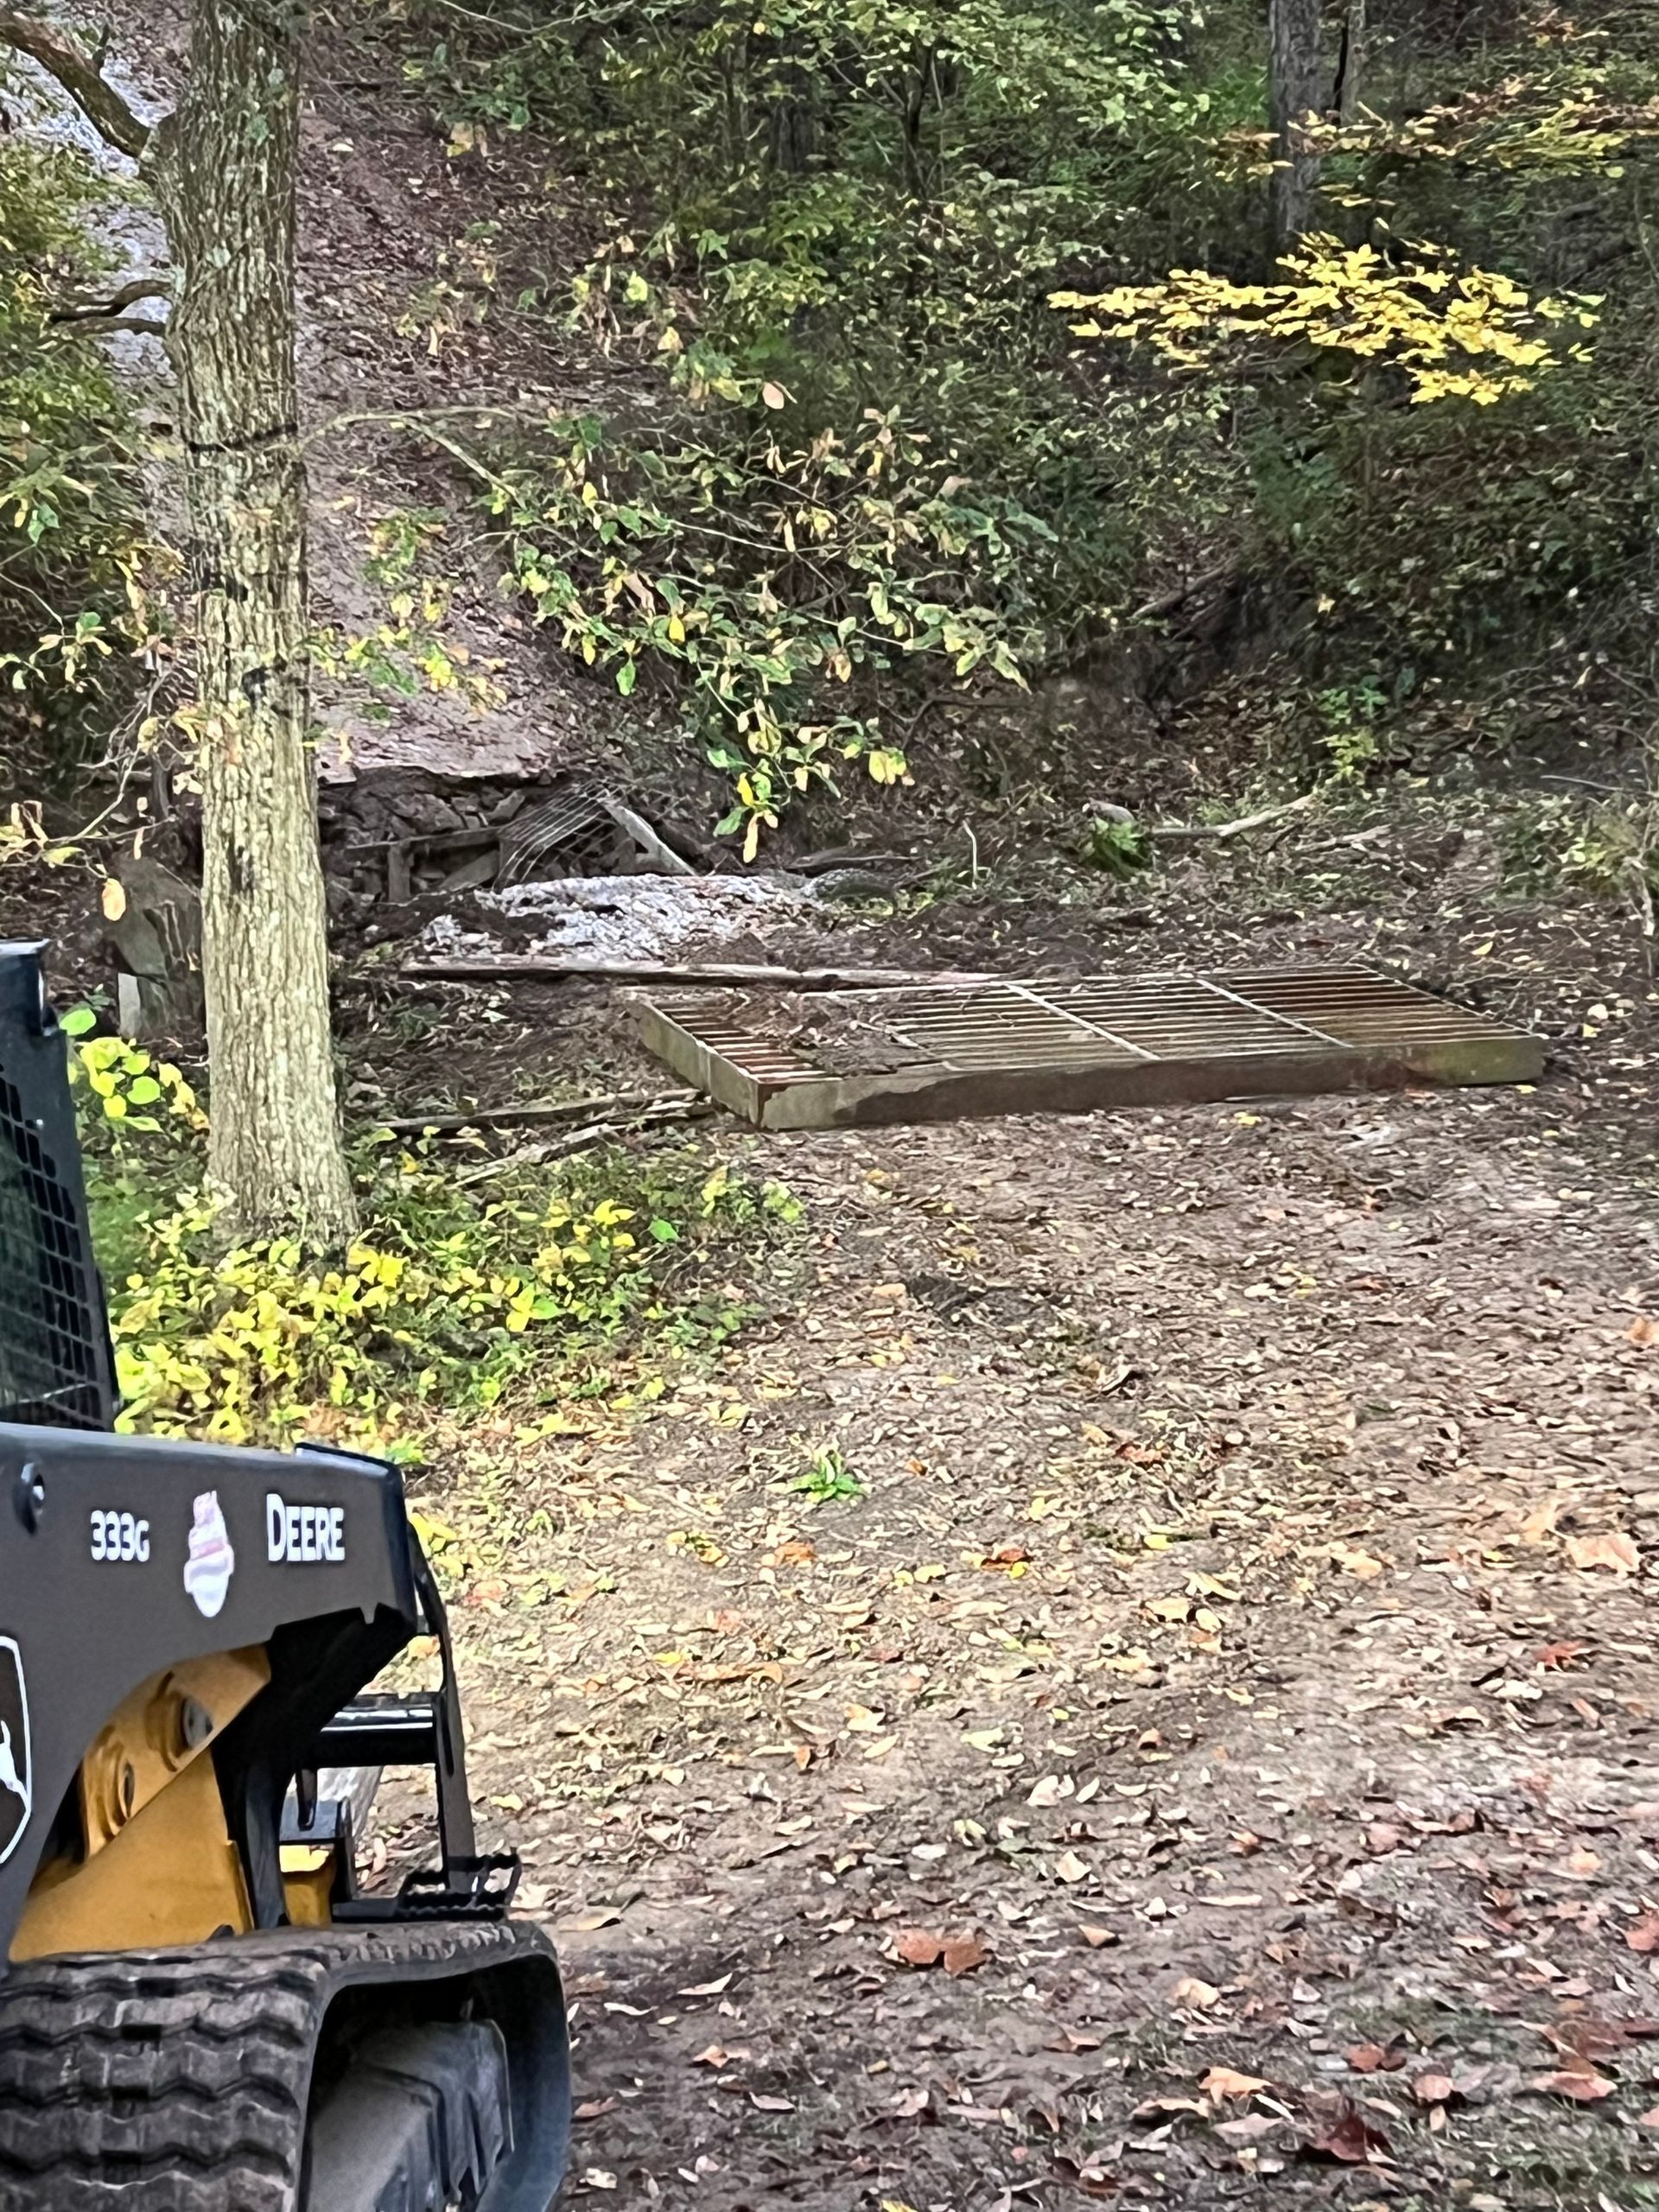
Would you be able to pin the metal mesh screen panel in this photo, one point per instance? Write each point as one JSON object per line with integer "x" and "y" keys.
{"x": 52, "y": 1342}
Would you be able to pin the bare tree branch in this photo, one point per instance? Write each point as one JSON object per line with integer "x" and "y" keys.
{"x": 99, "y": 102}
{"x": 101, "y": 311}
{"x": 147, "y": 325}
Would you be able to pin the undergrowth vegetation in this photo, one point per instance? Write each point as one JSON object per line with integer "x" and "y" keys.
{"x": 558, "y": 1286}
{"x": 931, "y": 349}
{"x": 70, "y": 516}
{"x": 831, "y": 233}
{"x": 837, "y": 245}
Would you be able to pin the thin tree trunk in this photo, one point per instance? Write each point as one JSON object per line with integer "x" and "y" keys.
{"x": 224, "y": 168}
{"x": 1350, "y": 71}
{"x": 1296, "y": 90}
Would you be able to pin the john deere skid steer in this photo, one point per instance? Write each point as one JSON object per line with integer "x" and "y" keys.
{"x": 199, "y": 2012}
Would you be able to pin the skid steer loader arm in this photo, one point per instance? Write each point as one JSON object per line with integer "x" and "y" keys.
{"x": 188, "y": 1633}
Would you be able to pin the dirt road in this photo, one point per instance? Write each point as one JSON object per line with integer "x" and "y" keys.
{"x": 1136, "y": 1681}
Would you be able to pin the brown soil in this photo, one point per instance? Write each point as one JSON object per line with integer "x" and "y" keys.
{"x": 1240, "y": 1641}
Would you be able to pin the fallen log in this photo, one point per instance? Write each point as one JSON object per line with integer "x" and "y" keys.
{"x": 537, "y": 1110}
{"x": 716, "y": 976}
{"x": 584, "y": 1139}
{"x": 1238, "y": 828}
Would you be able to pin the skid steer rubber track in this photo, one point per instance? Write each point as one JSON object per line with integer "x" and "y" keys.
{"x": 179, "y": 2080}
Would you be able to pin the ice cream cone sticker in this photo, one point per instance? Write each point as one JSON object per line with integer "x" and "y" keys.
{"x": 211, "y": 1562}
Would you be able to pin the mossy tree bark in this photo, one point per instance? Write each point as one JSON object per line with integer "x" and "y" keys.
{"x": 223, "y": 168}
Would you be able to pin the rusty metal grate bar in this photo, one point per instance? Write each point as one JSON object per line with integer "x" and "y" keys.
{"x": 947, "y": 1051}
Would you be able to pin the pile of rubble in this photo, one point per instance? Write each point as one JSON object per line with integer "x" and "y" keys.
{"x": 403, "y": 833}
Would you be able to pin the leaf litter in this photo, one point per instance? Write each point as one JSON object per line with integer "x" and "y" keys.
{"x": 922, "y": 1848}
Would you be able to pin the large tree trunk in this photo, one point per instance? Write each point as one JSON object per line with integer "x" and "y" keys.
{"x": 1295, "y": 89}
{"x": 224, "y": 169}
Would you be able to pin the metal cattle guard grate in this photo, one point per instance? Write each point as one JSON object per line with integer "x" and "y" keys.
{"x": 946, "y": 1052}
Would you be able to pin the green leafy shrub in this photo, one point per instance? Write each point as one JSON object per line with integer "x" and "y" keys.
{"x": 1115, "y": 846}
{"x": 776, "y": 584}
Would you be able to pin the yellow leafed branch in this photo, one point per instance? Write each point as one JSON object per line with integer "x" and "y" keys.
{"x": 1472, "y": 335}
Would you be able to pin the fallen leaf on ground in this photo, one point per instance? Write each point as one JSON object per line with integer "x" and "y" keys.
{"x": 1249, "y": 2127}
{"x": 862, "y": 1717}
{"x": 1433, "y": 2088}
{"x": 717, "y": 2054}
{"x": 963, "y": 1954}
{"x": 1360, "y": 1564}
{"x": 1095, "y": 1938}
{"x": 1557, "y": 1655}
{"x": 1373, "y": 2058}
{"x": 1643, "y": 1934}
{"x": 918, "y": 1946}
{"x": 1644, "y": 1329}
{"x": 1539, "y": 1523}
{"x": 1050, "y": 1790}
{"x": 1381, "y": 1838}
{"x": 1194, "y": 1995}
{"x": 771, "y": 2104}
{"x": 707, "y": 1988}
{"x": 1221, "y": 2083}
{"x": 1614, "y": 1551}
{"x": 1070, "y": 1868}
{"x": 1350, "y": 2139}
{"x": 1649, "y": 2118}
{"x": 596, "y": 2178}
{"x": 595, "y": 2108}
{"x": 1585, "y": 2087}
{"x": 603, "y": 1916}
{"x": 795, "y": 1552}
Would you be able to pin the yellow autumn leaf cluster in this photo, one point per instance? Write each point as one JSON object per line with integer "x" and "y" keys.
{"x": 1472, "y": 335}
